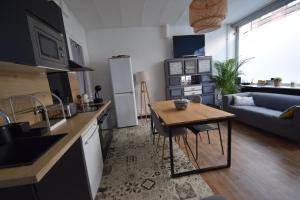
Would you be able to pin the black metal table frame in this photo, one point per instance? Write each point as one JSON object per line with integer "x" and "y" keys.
{"x": 201, "y": 170}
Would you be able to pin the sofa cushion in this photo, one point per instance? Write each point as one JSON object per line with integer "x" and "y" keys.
{"x": 243, "y": 101}
{"x": 261, "y": 110}
{"x": 289, "y": 113}
{"x": 263, "y": 118}
{"x": 279, "y": 102}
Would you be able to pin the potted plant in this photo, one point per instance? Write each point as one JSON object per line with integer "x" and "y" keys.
{"x": 228, "y": 73}
{"x": 277, "y": 81}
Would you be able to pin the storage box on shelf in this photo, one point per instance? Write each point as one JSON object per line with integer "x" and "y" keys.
{"x": 186, "y": 77}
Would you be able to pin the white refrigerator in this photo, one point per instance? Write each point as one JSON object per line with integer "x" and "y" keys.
{"x": 123, "y": 92}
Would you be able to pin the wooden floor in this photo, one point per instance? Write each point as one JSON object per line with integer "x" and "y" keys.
{"x": 264, "y": 167}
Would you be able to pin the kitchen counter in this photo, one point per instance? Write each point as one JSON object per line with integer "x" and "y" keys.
{"x": 30, "y": 174}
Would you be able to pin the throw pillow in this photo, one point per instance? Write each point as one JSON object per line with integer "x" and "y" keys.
{"x": 243, "y": 101}
{"x": 288, "y": 113}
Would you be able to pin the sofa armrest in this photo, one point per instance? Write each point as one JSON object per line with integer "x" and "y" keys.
{"x": 296, "y": 118}
{"x": 228, "y": 99}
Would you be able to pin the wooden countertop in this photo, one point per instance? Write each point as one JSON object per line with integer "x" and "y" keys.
{"x": 30, "y": 174}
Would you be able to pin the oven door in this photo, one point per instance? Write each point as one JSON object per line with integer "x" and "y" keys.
{"x": 105, "y": 131}
{"x": 48, "y": 45}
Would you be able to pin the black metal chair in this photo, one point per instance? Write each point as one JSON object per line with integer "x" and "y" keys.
{"x": 176, "y": 132}
{"x": 197, "y": 129}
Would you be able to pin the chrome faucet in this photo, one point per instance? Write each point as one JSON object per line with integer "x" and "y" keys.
{"x": 5, "y": 116}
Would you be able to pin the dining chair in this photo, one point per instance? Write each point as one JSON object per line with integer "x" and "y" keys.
{"x": 197, "y": 129}
{"x": 164, "y": 132}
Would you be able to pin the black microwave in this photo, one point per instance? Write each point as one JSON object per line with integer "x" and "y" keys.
{"x": 49, "y": 46}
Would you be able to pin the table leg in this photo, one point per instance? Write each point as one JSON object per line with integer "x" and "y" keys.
{"x": 201, "y": 170}
{"x": 151, "y": 124}
{"x": 171, "y": 152}
{"x": 196, "y": 146}
{"x": 229, "y": 143}
{"x": 152, "y": 129}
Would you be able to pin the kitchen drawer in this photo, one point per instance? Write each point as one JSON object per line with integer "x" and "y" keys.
{"x": 208, "y": 89}
{"x": 175, "y": 93}
{"x": 192, "y": 88}
{"x": 206, "y": 78}
{"x": 208, "y": 99}
{"x": 195, "y": 92}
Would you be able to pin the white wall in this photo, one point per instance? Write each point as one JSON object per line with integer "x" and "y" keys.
{"x": 148, "y": 47}
{"x": 275, "y": 47}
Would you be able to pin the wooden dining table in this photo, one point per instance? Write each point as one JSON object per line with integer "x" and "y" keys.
{"x": 194, "y": 114}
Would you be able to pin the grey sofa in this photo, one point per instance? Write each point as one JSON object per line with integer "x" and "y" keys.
{"x": 265, "y": 114}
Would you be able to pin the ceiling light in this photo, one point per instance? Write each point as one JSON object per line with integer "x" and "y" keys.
{"x": 207, "y": 15}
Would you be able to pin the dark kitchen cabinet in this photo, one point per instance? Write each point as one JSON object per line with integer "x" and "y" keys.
{"x": 47, "y": 11}
{"x": 59, "y": 83}
{"x": 16, "y": 42}
{"x": 66, "y": 180}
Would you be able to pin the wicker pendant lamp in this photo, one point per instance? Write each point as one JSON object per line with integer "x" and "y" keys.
{"x": 207, "y": 15}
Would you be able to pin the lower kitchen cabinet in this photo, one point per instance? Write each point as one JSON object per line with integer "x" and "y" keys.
{"x": 19, "y": 192}
{"x": 67, "y": 180}
{"x": 93, "y": 157}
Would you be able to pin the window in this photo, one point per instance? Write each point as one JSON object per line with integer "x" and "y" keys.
{"x": 273, "y": 40}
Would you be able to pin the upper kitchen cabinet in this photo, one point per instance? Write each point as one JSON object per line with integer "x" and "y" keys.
{"x": 33, "y": 33}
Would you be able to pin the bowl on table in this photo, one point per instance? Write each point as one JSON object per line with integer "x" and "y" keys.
{"x": 181, "y": 104}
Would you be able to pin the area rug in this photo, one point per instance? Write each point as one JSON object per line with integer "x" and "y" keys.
{"x": 134, "y": 170}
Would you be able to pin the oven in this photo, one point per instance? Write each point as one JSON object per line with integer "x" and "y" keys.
{"x": 49, "y": 46}
{"x": 105, "y": 131}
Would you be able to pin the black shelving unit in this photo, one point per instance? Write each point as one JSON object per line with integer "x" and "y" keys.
{"x": 186, "y": 77}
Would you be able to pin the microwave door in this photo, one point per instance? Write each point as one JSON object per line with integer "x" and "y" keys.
{"x": 48, "y": 47}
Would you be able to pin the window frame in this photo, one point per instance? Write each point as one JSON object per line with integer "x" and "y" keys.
{"x": 253, "y": 16}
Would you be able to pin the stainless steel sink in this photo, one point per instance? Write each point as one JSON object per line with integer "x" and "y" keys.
{"x": 25, "y": 151}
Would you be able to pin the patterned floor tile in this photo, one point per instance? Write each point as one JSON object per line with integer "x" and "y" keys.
{"x": 134, "y": 170}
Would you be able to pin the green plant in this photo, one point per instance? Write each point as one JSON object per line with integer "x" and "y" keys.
{"x": 278, "y": 79}
{"x": 227, "y": 75}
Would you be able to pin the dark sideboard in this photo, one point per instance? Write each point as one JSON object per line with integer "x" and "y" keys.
{"x": 272, "y": 89}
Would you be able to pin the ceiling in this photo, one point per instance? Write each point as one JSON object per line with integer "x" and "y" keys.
{"x": 97, "y": 14}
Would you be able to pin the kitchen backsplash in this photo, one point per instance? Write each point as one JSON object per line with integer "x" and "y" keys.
{"x": 14, "y": 83}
